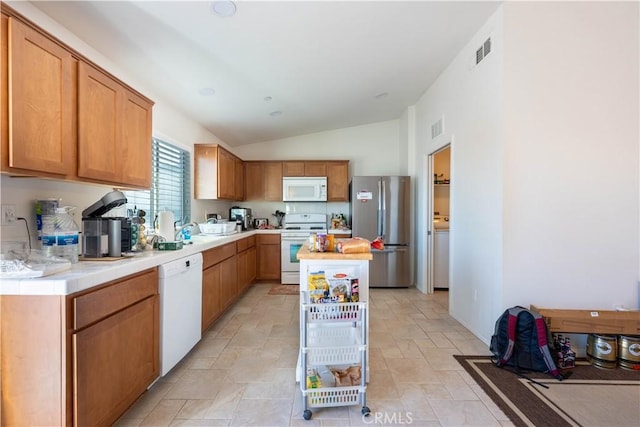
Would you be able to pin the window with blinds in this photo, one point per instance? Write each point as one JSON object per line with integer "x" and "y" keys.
{"x": 170, "y": 184}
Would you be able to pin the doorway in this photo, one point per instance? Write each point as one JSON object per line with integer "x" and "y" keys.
{"x": 439, "y": 218}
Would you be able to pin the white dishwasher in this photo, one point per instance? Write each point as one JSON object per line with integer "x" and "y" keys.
{"x": 180, "y": 309}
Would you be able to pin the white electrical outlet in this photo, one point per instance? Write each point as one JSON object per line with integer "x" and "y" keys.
{"x": 8, "y": 214}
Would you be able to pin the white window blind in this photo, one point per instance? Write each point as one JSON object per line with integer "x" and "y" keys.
{"x": 170, "y": 184}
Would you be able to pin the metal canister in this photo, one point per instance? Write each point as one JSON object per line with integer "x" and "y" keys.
{"x": 602, "y": 350}
{"x": 45, "y": 211}
{"x": 629, "y": 352}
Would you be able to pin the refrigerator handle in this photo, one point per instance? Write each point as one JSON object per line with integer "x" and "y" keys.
{"x": 379, "y": 213}
{"x": 383, "y": 204}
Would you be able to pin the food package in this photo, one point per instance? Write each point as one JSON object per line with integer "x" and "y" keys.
{"x": 319, "y": 377}
{"x": 318, "y": 286}
{"x": 347, "y": 377}
{"x": 355, "y": 245}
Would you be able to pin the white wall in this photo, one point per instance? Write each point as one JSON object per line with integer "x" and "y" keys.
{"x": 545, "y": 161}
{"x": 571, "y": 159}
{"x": 470, "y": 99}
{"x": 372, "y": 149}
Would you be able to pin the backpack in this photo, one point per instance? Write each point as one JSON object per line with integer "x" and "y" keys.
{"x": 520, "y": 341}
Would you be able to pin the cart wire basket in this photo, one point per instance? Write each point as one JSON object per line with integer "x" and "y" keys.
{"x": 327, "y": 397}
{"x": 346, "y": 312}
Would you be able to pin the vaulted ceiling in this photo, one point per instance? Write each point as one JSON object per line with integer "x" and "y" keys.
{"x": 278, "y": 68}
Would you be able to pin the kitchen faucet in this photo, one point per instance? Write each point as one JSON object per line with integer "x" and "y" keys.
{"x": 179, "y": 235}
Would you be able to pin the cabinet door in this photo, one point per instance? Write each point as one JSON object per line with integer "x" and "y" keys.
{"x": 98, "y": 127}
{"x": 252, "y": 265}
{"x": 205, "y": 168}
{"x": 135, "y": 144}
{"x": 254, "y": 181}
{"x": 268, "y": 257}
{"x": 40, "y": 103}
{"x": 293, "y": 168}
{"x": 338, "y": 181}
{"x": 114, "y": 361}
{"x": 211, "y": 307}
{"x": 228, "y": 281}
{"x": 226, "y": 174}
{"x": 273, "y": 181}
{"x": 246, "y": 269}
{"x": 239, "y": 179}
{"x": 315, "y": 169}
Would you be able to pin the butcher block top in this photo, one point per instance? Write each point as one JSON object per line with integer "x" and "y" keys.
{"x": 304, "y": 253}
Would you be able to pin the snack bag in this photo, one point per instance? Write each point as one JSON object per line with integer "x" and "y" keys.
{"x": 318, "y": 287}
{"x": 354, "y": 295}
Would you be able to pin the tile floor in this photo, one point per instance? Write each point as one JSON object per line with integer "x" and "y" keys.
{"x": 242, "y": 373}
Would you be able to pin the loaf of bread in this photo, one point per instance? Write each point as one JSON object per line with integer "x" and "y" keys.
{"x": 355, "y": 245}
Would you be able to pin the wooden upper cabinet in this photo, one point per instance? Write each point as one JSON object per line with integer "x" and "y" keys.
{"x": 215, "y": 171}
{"x": 98, "y": 127}
{"x": 239, "y": 179}
{"x": 315, "y": 169}
{"x": 39, "y": 81}
{"x": 63, "y": 117}
{"x": 304, "y": 168}
{"x": 292, "y": 168}
{"x": 273, "y": 181}
{"x": 136, "y": 139}
{"x": 254, "y": 180}
{"x": 263, "y": 181}
{"x": 226, "y": 174}
{"x": 114, "y": 130}
{"x": 338, "y": 181}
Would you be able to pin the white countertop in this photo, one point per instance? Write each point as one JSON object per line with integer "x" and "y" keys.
{"x": 86, "y": 274}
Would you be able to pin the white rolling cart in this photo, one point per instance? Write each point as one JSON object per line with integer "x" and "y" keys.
{"x": 334, "y": 336}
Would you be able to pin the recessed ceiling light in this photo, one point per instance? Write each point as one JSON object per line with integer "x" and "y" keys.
{"x": 275, "y": 113}
{"x": 224, "y": 8}
{"x": 206, "y": 91}
{"x": 381, "y": 95}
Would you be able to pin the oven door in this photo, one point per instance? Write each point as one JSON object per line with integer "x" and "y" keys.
{"x": 290, "y": 266}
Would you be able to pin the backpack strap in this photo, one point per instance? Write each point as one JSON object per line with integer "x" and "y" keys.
{"x": 541, "y": 328}
{"x": 512, "y": 322}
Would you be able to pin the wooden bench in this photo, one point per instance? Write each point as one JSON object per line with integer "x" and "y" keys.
{"x": 590, "y": 321}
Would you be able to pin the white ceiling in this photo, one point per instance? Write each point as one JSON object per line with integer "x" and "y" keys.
{"x": 321, "y": 63}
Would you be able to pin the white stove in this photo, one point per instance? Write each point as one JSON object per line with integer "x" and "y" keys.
{"x": 296, "y": 232}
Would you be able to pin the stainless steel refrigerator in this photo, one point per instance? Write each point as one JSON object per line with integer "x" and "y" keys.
{"x": 380, "y": 207}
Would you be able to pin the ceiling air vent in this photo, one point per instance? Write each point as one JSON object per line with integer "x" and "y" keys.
{"x": 437, "y": 128}
{"x": 483, "y": 50}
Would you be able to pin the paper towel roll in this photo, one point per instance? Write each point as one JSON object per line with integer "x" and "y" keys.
{"x": 165, "y": 225}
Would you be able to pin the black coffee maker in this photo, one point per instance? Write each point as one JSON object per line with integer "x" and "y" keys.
{"x": 105, "y": 236}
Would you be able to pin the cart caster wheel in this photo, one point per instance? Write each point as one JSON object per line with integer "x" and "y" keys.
{"x": 306, "y": 415}
{"x": 366, "y": 411}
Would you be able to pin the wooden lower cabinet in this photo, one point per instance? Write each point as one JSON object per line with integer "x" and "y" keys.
{"x": 268, "y": 257}
{"x": 247, "y": 268}
{"x": 228, "y": 281}
{"x": 211, "y": 307}
{"x": 219, "y": 282}
{"x": 115, "y": 360}
{"x": 80, "y": 359}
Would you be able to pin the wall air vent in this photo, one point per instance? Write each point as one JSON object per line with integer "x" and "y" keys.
{"x": 483, "y": 50}
{"x": 487, "y": 46}
{"x": 479, "y": 55}
{"x": 437, "y": 128}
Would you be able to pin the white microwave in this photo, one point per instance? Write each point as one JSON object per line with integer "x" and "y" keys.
{"x": 304, "y": 189}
